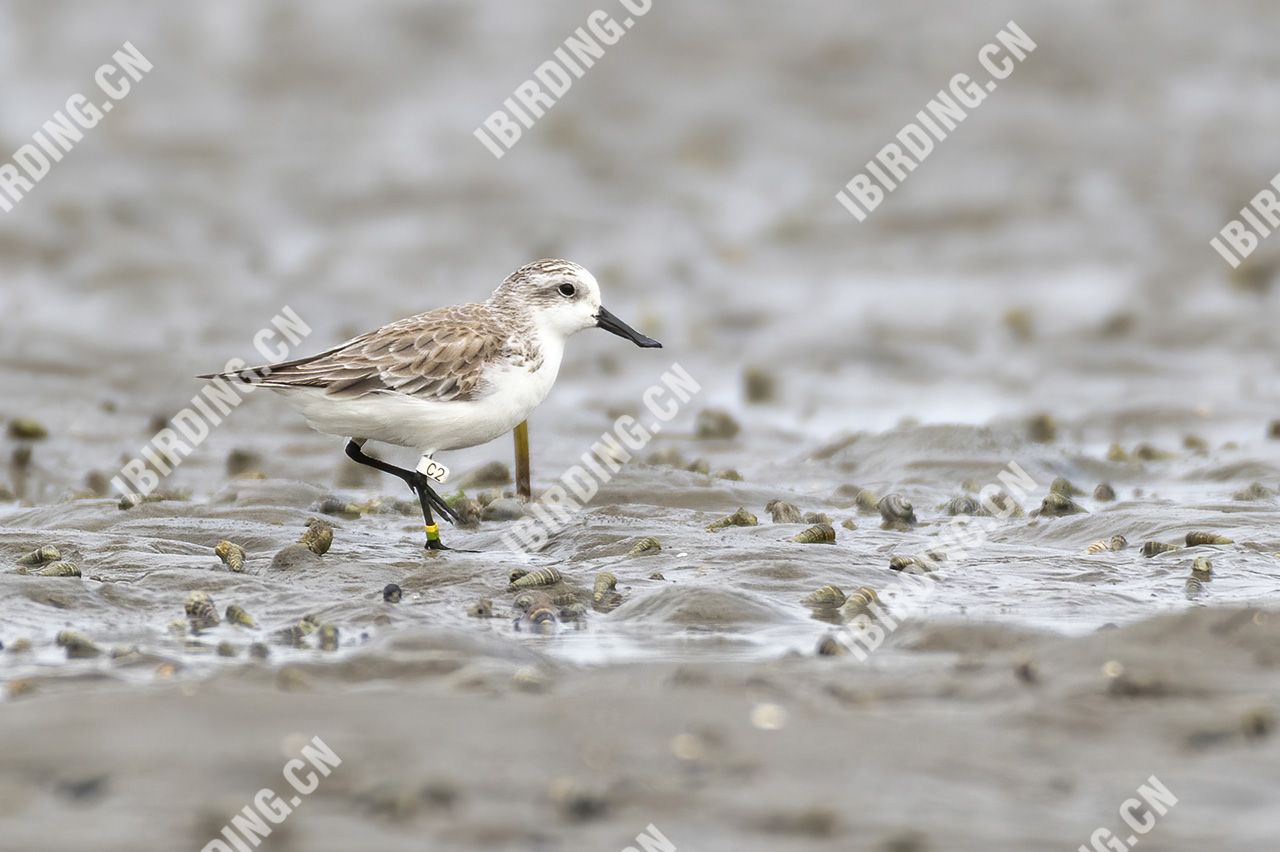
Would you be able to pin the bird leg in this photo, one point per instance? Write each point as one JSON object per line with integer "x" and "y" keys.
{"x": 418, "y": 484}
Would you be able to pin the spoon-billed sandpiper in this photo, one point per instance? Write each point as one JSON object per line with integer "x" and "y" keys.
{"x": 449, "y": 378}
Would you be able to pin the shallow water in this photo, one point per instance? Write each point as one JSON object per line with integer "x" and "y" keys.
{"x": 337, "y": 175}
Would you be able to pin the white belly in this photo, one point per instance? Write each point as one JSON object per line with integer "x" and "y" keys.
{"x": 428, "y": 426}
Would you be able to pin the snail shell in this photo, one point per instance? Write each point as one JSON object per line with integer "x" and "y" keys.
{"x": 1254, "y": 491}
{"x": 911, "y": 564}
{"x": 1005, "y": 505}
{"x": 1147, "y": 452}
{"x": 816, "y": 534}
{"x": 1104, "y": 493}
{"x": 336, "y": 506}
{"x": 896, "y": 512}
{"x": 1105, "y": 545}
{"x": 1153, "y": 548}
{"x": 605, "y": 583}
{"x": 1195, "y": 539}
{"x": 328, "y": 637}
{"x": 232, "y": 555}
{"x": 200, "y": 611}
{"x": 964, "y": 505}
{"x": 292, "y": 636}
{"x": 392, "y": 593}
{"x": 699, "y": 466}
{"x": 482, "y": 608}
{"x": 78, "y": 645}
{"x": 58, "y": 569}
{"x": 236, "y": 615}
{"x": 1195, "y": 443}
{"x": 575, "y": 611}
{"x": 301, "y": 629}
{"x": 1202, "y": 568}
{"x": 1065, "y": 487}
{"x": 604, "y": 595}
{"x": 783, "y": 512}
{"x": 542, "y": 615}
{"x": 527, "y": 601}
{"x": 541, "y": 577}
{"x": 867, "y": 501}
{"x": 830, "y": 646}
{"x": 1041, "y": 428}
{"x": 863, "y": 599}
{"x": 41, "y": 555}
{"x": 648, "y": 544}
{"x": 826, "y": 596}
{"x": 318, "y": 537}
{"x": 899, "y": 562}
{"x": 1056, "y": 505}
{"x": 470, "y": 512}
{"x": 740, "y": 518}
{"x": 27, "y": 429}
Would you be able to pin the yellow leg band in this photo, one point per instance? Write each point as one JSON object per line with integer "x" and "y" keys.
{"x": 433, "y": 532}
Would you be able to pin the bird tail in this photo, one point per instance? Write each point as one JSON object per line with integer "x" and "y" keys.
{"x": 249, "y": 375}
{"x": 285, "y": 374}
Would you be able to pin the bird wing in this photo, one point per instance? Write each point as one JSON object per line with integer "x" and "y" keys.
{"x": 440, "y": 355}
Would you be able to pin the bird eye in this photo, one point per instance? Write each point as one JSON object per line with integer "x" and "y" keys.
{"x": 567, "y": 290}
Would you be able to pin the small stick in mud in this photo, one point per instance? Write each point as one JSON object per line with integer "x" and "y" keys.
{"x": 521, "y": 436}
